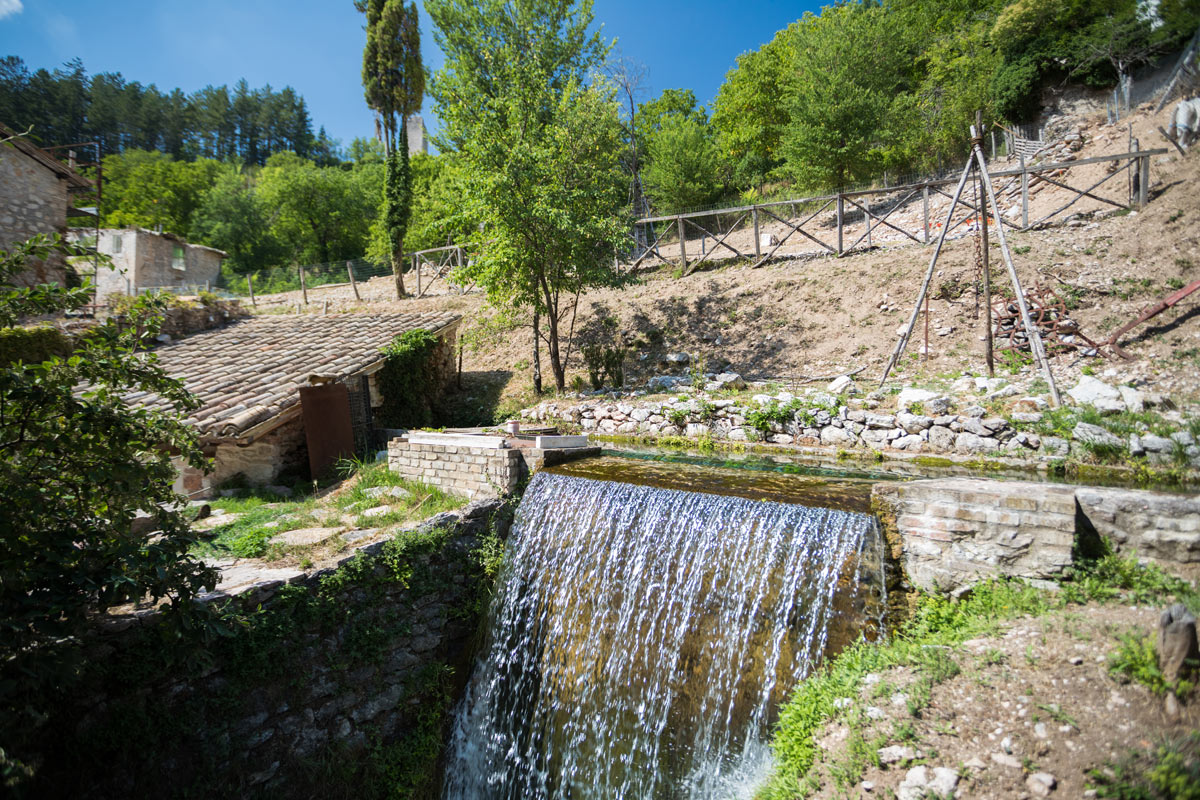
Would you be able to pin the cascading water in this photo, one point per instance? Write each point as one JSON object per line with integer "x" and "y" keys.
{"x": 642, "y": 638}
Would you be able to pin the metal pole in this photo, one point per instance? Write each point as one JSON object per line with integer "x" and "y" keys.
{"x": 1144, "y": 181}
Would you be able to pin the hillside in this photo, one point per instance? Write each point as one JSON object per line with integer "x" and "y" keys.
{"x": 817, "y": 315}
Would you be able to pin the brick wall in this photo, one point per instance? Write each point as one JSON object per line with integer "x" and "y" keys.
{"x": 33, "y": 200}
{"x": 466, "y": 471}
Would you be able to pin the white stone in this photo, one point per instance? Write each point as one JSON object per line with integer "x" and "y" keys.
{"x": 1089, "y": 390}
{"x": 910, "y": 396}
{"x": 1134, "y": 400}
{"x": 840, "y": 384}
{"x": 305, "y": 536}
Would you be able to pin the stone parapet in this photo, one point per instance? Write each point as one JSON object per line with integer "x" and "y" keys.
{"x": 1164, "y": 528}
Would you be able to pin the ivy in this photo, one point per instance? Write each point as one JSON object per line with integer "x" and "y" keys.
{"x": 409, "y": 380}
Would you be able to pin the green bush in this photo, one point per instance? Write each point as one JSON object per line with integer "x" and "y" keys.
{"x": 32, "y": 345}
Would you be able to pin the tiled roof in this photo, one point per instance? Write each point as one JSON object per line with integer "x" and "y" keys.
{"x": 251, "y": 371}
{"x": 44, "y": 158}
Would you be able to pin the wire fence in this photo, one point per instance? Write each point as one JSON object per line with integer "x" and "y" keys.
{"x": 288, "y": 279}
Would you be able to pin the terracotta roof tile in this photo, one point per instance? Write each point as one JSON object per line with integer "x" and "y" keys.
{"x": 250, "y": 371}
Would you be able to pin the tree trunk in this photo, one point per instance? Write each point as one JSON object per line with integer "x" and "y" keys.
{"x": 556, "y": 366}
{"x": 537, "y": 354}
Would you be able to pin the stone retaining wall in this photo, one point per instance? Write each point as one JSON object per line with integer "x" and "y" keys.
{"x": 956, "y": 531}
{"x": 465, "y": 471}
{"x": 329, "y": 669}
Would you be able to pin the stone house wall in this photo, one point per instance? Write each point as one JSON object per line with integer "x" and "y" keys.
{"x": 33, "y": 200}
{"x": 143, "y": 259}
{"x": 284, "y": 449}
{"x": 334, "y": 665}
{"x": 465, "y": 471}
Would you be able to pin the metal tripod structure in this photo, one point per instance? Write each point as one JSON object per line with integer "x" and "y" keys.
{"x": 976, "y": 164}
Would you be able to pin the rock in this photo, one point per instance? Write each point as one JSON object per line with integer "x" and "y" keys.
{"x": 1184, "y": 438}
{"x": 941, "y": 438}
{"x": 875, "y": 712}
{"x": 305, "y": 536}
{"x": 1005, "y": 760}
{"x": 943, "y": 783}
{"x": 1133, "y": 399}
{"x": 1090, "y": 390}
{"x": 1135, "y": 445}
{"x": 831, "y": 435}
{"x": 990, "y": 384}
{"x": 914, "y": 785}
{"x": 695, "y": 429}
{"x": 729, "y": 381}
{"x": 1055, "y": 446}
{"x": 911, "y": 442}
{"x": 1041, "y": 784}
{"x": 1157, "y": 444}
{"x": 1177, "y": 642}
{"x": 279, "y": 491}
{"x": 975, "y": 412}
{"x": 359, "y": 535}
{"x": 377, "y": 511}
{"x": 1096, "y": 436}
{"x": 913, "y": 423}
{"x": 839, "y": 384}
{"x": 676, "y": 359}
{"x": 1027, "y": 417}
{"x": 975, "y": 763}
{"x": 971, "y": 443}
{"x": 867, "y": 786}
{"x": 976, "y": 426}
{"x": 398, "y": 492}
{"x": 880, "y": 421}
{"x": 1171, "y": 707}
{"x": 909, "y": 397}
{"x": 665, "y": 383}
{"x": 1041, "y": 731}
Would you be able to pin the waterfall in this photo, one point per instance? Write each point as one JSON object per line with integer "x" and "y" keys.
{"x": 642, "y": 638}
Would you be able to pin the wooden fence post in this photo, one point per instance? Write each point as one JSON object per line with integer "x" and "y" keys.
{"x": 1144, "y": 180}
{"x": 250, "y": 286}
{"x": 417, "y": 269}
{"x": 925, "y": 203}
{"x": 682, "y": 248}
{"x": 353, "y": 284}
{"x": 840, "y": 212}
{"x": 303, "y": 288}
{"x": 757, "y": 238}
{"x": 1024, "y": 195}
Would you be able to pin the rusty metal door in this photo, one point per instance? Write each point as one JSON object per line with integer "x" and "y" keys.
{"x": 327, "y": 427}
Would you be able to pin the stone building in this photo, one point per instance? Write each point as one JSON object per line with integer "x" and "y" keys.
{"x": 288, "y": 394}
{"x": 35, "y": 192}
{"x": 415, "y": 127}
{"x": 144, "y": 259}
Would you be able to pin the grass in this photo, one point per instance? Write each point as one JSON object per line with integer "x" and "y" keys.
{"x": 1168, "y": 771}
{"x": 926, "y": 643}
{"x": 264, "y": 515}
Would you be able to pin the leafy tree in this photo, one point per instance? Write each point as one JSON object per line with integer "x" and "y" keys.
{"x": 233, "y": 217}
{"x": 394, "y": 82}
{"x": 75, "y": 468}
{"x": 321, "y": 214}
{"x": 149, "y": 188}
{"x": 684, "y": 165}
{"x": 540, "y": 150}
{"x": 749, "y": 113}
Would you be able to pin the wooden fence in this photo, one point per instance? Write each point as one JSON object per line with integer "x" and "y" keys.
{"x": 841, "y": 223}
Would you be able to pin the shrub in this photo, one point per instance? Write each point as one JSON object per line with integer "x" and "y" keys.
{"x": 409, "y": 380}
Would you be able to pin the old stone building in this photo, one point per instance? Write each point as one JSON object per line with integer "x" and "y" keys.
{"x": 144, "y": 259}
{"x": 34, "y": 199}
{"x": 288, "y": 394}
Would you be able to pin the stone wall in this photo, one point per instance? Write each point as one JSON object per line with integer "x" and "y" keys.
{"x": 956, "y": 531}
{"x": 1164, "y": 528}
{"x": 33, "y": 200}
{"x": 461, "y": 470}
{"x": 143, "y": 259}
{"x": 345, "y": 675}
{"x": 284, "y": 449}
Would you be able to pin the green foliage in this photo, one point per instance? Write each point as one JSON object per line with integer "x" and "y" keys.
{"x": 1170, "y": 771}
{"x": 32, "y": 345}
{"x": 683, "y": 171}
{"x": 1136, "y": 659}
{"x": 409, "y": 380}
{"x": 76, "y": 466}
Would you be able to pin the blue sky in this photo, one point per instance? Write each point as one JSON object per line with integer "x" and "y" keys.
{"x": 315, "y": 46}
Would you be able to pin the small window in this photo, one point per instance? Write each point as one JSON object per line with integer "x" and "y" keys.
{"x": 178, "y": 260}
{"x": 116, "y": 243}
